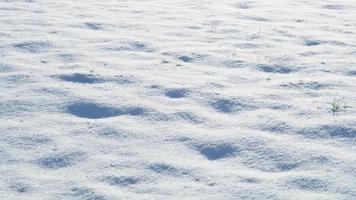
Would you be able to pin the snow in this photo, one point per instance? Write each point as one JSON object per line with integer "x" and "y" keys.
{"x": 156, "y": 99}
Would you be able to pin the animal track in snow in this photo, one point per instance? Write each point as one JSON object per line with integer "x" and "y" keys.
{"x": 85, "y": 78}
{"x": 166, "y": 169}
{"x": 61, "y": 160}
{"x": 276, "y": 69}
{"x": 97, "y": 111}
{"x": 217, "y": 150}
{"x": 304, "y": 183}
{"x": 229, "y": 105}
{"x": 333, "y": 7}
{"x": 120, "y": 180}
{"x": 133, "y": 46}
{"x": 68, "y": 57}
{"x": 269, "y": 159}
{"x": 93, "y": 26}
{"x": 189, "y": 117}
{"x": 33, "y": 47}
{"x": 177, "y": 93}
{"x": 81, "y": 78}
{"x": 314, "y": 42}
{"x": 312, "y": 85}
{"x": 26, "y": 142}
{"x": 185, "y": 58}
{"x": 245, "y": 5}
{"x": 84, "y": 193}
{"x": 344, "y": 131}
{"x": 109, "y": 132}
{"x": 20, "y": 187}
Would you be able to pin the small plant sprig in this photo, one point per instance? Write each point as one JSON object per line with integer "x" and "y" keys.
{"x": 337, "y": 107}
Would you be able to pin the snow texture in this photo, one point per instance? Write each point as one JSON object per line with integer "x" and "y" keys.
{"x": 177, "y": 99}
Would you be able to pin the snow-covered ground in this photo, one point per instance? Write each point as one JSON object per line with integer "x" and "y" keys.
{"x": 177, "y": 99}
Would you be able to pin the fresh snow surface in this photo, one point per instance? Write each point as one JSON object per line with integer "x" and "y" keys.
{"x": 177, "y": 99}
